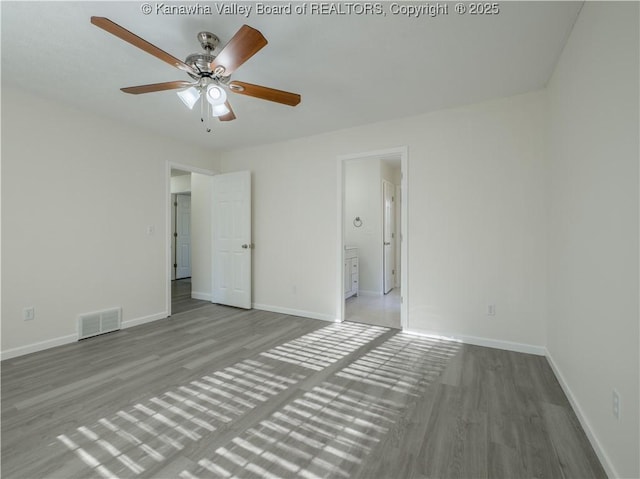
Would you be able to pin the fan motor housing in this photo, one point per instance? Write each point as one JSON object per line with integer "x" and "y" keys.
{"x": 202, "y": 61}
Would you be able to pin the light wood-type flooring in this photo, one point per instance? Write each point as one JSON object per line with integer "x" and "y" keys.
{"x": 221, "y": 392}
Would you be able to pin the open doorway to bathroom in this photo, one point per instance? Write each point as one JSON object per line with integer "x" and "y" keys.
{"x": 372, "y": 246}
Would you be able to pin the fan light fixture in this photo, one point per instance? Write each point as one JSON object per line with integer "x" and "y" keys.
{"x": 216, "y": 95}
{"x": 219, "y": 110}
{"x": 189, "y": 96}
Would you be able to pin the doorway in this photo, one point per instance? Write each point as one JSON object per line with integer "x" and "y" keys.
{"x": 187, "y": 230}
{"x": 371, "y": 226}
{"x": 180, "y": 261}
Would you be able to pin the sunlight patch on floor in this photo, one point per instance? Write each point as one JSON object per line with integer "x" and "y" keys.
{"x": 323, "y": 347}
{"x": 154, "y": 429}
{"x": 329, "y": 430}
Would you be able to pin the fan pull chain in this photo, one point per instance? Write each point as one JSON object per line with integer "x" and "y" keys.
{"x": 205, "y": 113}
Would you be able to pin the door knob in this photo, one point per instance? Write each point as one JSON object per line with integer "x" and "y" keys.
{"x": 387, "y": 244}
{"x": 245, "y": 246}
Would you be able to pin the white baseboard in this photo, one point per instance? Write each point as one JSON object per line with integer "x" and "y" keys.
{"x": 486, "y": 342}
{"x": 72, "y": 338}
{"x": 199, "y": 295}
{"x": 145, "y": 319}
{"x": 39, "y": 346}
{"x": 294, "y": 312}
{"x": 586, "y": 425}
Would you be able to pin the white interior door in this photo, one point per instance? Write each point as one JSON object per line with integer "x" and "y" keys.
{"x": 183, "y": 238}
{"x": 388, "y": 235}
{"x": 231, "y": 234}
{"x": 173, "y": 206}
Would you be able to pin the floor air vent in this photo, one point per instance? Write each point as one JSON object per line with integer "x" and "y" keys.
{"x": 93, "y": 324}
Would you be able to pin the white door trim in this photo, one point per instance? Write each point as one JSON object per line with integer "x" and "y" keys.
{"x": 167, "y": 223}
{"x": 403, "y": 153}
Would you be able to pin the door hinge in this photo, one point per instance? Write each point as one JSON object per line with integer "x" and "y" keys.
{"x": 175, "y": 203}
{"x": 393, "y": 271}
{"x": 175, "y": 265}
{"x": 175, "y": 235}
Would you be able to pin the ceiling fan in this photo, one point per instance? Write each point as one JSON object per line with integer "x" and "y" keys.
{"x": 211, "y": 74}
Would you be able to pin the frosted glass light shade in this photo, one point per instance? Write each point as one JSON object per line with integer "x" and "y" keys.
{"x": 219, "y": 110}
{"x": 189, "y": 96}
{"x": 216, "y": 95}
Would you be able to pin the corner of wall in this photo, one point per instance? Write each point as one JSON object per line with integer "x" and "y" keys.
{"x": 584, "y": 421}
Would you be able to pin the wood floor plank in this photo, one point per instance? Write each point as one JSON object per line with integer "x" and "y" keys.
{"x": 570, "y": 443}
{"x": 504, "y": 461}
{"x": 82, "y": 385}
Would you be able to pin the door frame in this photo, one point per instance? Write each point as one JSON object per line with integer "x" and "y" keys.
{"x": 167, "y": 227}
{"x": 403, "y": 153}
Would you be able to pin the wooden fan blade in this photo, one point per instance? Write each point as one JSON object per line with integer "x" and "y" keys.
{"x": 170, "y": 85}
{"x": 245, "y": 43}
{"x": 136, "y": 41}
{"x": 271, "y": 94}
{"x": 229, "y": 116}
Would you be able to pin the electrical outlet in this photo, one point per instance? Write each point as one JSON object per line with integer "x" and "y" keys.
{"x": 616, "y": 404}
{"x": 29, "y": 313}
{"x": 491, "y": 310}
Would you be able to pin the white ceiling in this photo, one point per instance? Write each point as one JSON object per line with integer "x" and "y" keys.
{"x": 350, "y": 69}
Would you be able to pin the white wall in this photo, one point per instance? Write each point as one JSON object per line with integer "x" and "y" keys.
{"x": 201, "y": 236}
{"x": 593, "y": 332}
{"x": 78, "y": 195}
{"x": 363, "y": 198}
{"x": 476, "y": 218}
